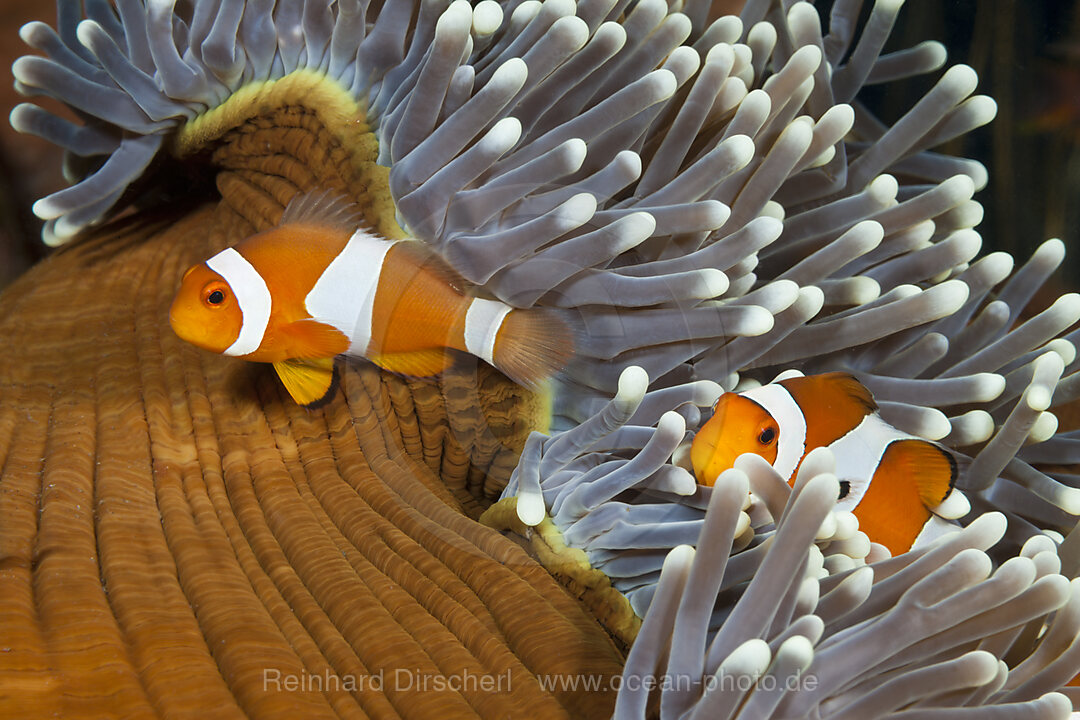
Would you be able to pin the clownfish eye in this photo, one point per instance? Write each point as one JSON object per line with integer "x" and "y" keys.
{"x": 214, "y": 295}
{"x": 767, "y": 436}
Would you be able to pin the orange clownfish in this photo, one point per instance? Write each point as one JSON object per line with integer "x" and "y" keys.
{"x": 889, "y": 479}
{"x": 317, "y": 286}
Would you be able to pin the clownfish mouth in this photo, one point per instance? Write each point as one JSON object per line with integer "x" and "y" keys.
{"x": 184, "y": 329}
{"x": 189, "y": 329}
{"x": 174, "y": 322}
{"x": 710, "y": 458}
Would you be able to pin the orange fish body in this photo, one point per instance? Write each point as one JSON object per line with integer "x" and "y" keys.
{"x": 315, "y": 287}
{"x": 889, "y": 479}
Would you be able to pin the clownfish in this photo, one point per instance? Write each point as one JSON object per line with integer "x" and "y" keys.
{"x": 889, "y": 479}
{"x": 317, "y": 286}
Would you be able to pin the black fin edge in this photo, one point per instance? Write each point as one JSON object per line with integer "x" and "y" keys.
{"x": 953, "y": 471}
{"x": 335, "y": 383}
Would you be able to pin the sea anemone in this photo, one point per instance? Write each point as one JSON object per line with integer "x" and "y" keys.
{"x": 786, "y": 609}
{"x": 708, "y": 202}
{"x": 917, "y": 636}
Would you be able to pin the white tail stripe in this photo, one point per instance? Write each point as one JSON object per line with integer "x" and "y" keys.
{"x": 344, "y": 295}
{"x": 791, "y": 444}
{"x": 482, "y": 323}
{"x": 934, "y": 528}
{"x": 252, "y": 296}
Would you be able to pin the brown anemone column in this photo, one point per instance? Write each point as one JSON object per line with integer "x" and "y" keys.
{"x": 178, "y": 538}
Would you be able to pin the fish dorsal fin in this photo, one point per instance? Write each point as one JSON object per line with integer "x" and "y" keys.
{"x": 833, "y": 405}
{"x": 322, "y": 208}
{"x": 930, "y": 466}
{"x": 912, "y": 476}
{"x": 850, "y": 386}
{"x": 425, "y": 256}
{"x": 311, "y": 383}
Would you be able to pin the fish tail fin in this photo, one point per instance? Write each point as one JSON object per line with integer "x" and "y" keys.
{"x": 532, "y": 345}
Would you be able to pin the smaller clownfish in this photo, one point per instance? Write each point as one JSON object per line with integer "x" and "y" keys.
{"x": 318, "y": 286}
{"x": 889, "y": 479}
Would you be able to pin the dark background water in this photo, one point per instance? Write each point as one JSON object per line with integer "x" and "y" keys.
{"x": 1026, "y": 52}
{"x": 1027, "y": 55}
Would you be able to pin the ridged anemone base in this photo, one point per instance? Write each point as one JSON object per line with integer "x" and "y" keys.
{"x": 177, "y": 538}
{"x": 301, "y": 131}
{"x": 572, "y": 567}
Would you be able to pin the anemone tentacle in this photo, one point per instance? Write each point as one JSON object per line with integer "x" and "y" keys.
{"x": 783, "y": 584}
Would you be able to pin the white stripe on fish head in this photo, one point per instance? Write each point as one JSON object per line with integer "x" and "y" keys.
{"x": 791, "y": 444}
{"x": 482, "y": 323}
{"x": 252, "y": 296}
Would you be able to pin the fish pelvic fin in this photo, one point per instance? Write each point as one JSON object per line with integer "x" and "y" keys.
{"x": 532, "y": 345}
{"x": 311, "y": 383}
{"x": 419, "y": 363}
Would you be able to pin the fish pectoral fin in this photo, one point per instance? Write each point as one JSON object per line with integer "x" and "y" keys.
{"x": 931, "y": 467}
{"x": 309, "y": 382}
{"x": 317, "y": 339}
{"x": 420, "y": 363}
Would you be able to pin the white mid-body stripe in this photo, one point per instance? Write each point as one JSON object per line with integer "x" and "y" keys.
{"x": 482, "y": 323}
{"x": 791, "y": 443}
{"x": 344, "y": 295}
{"x": 252, "y": 296}
{"x": 858, "y": 454}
